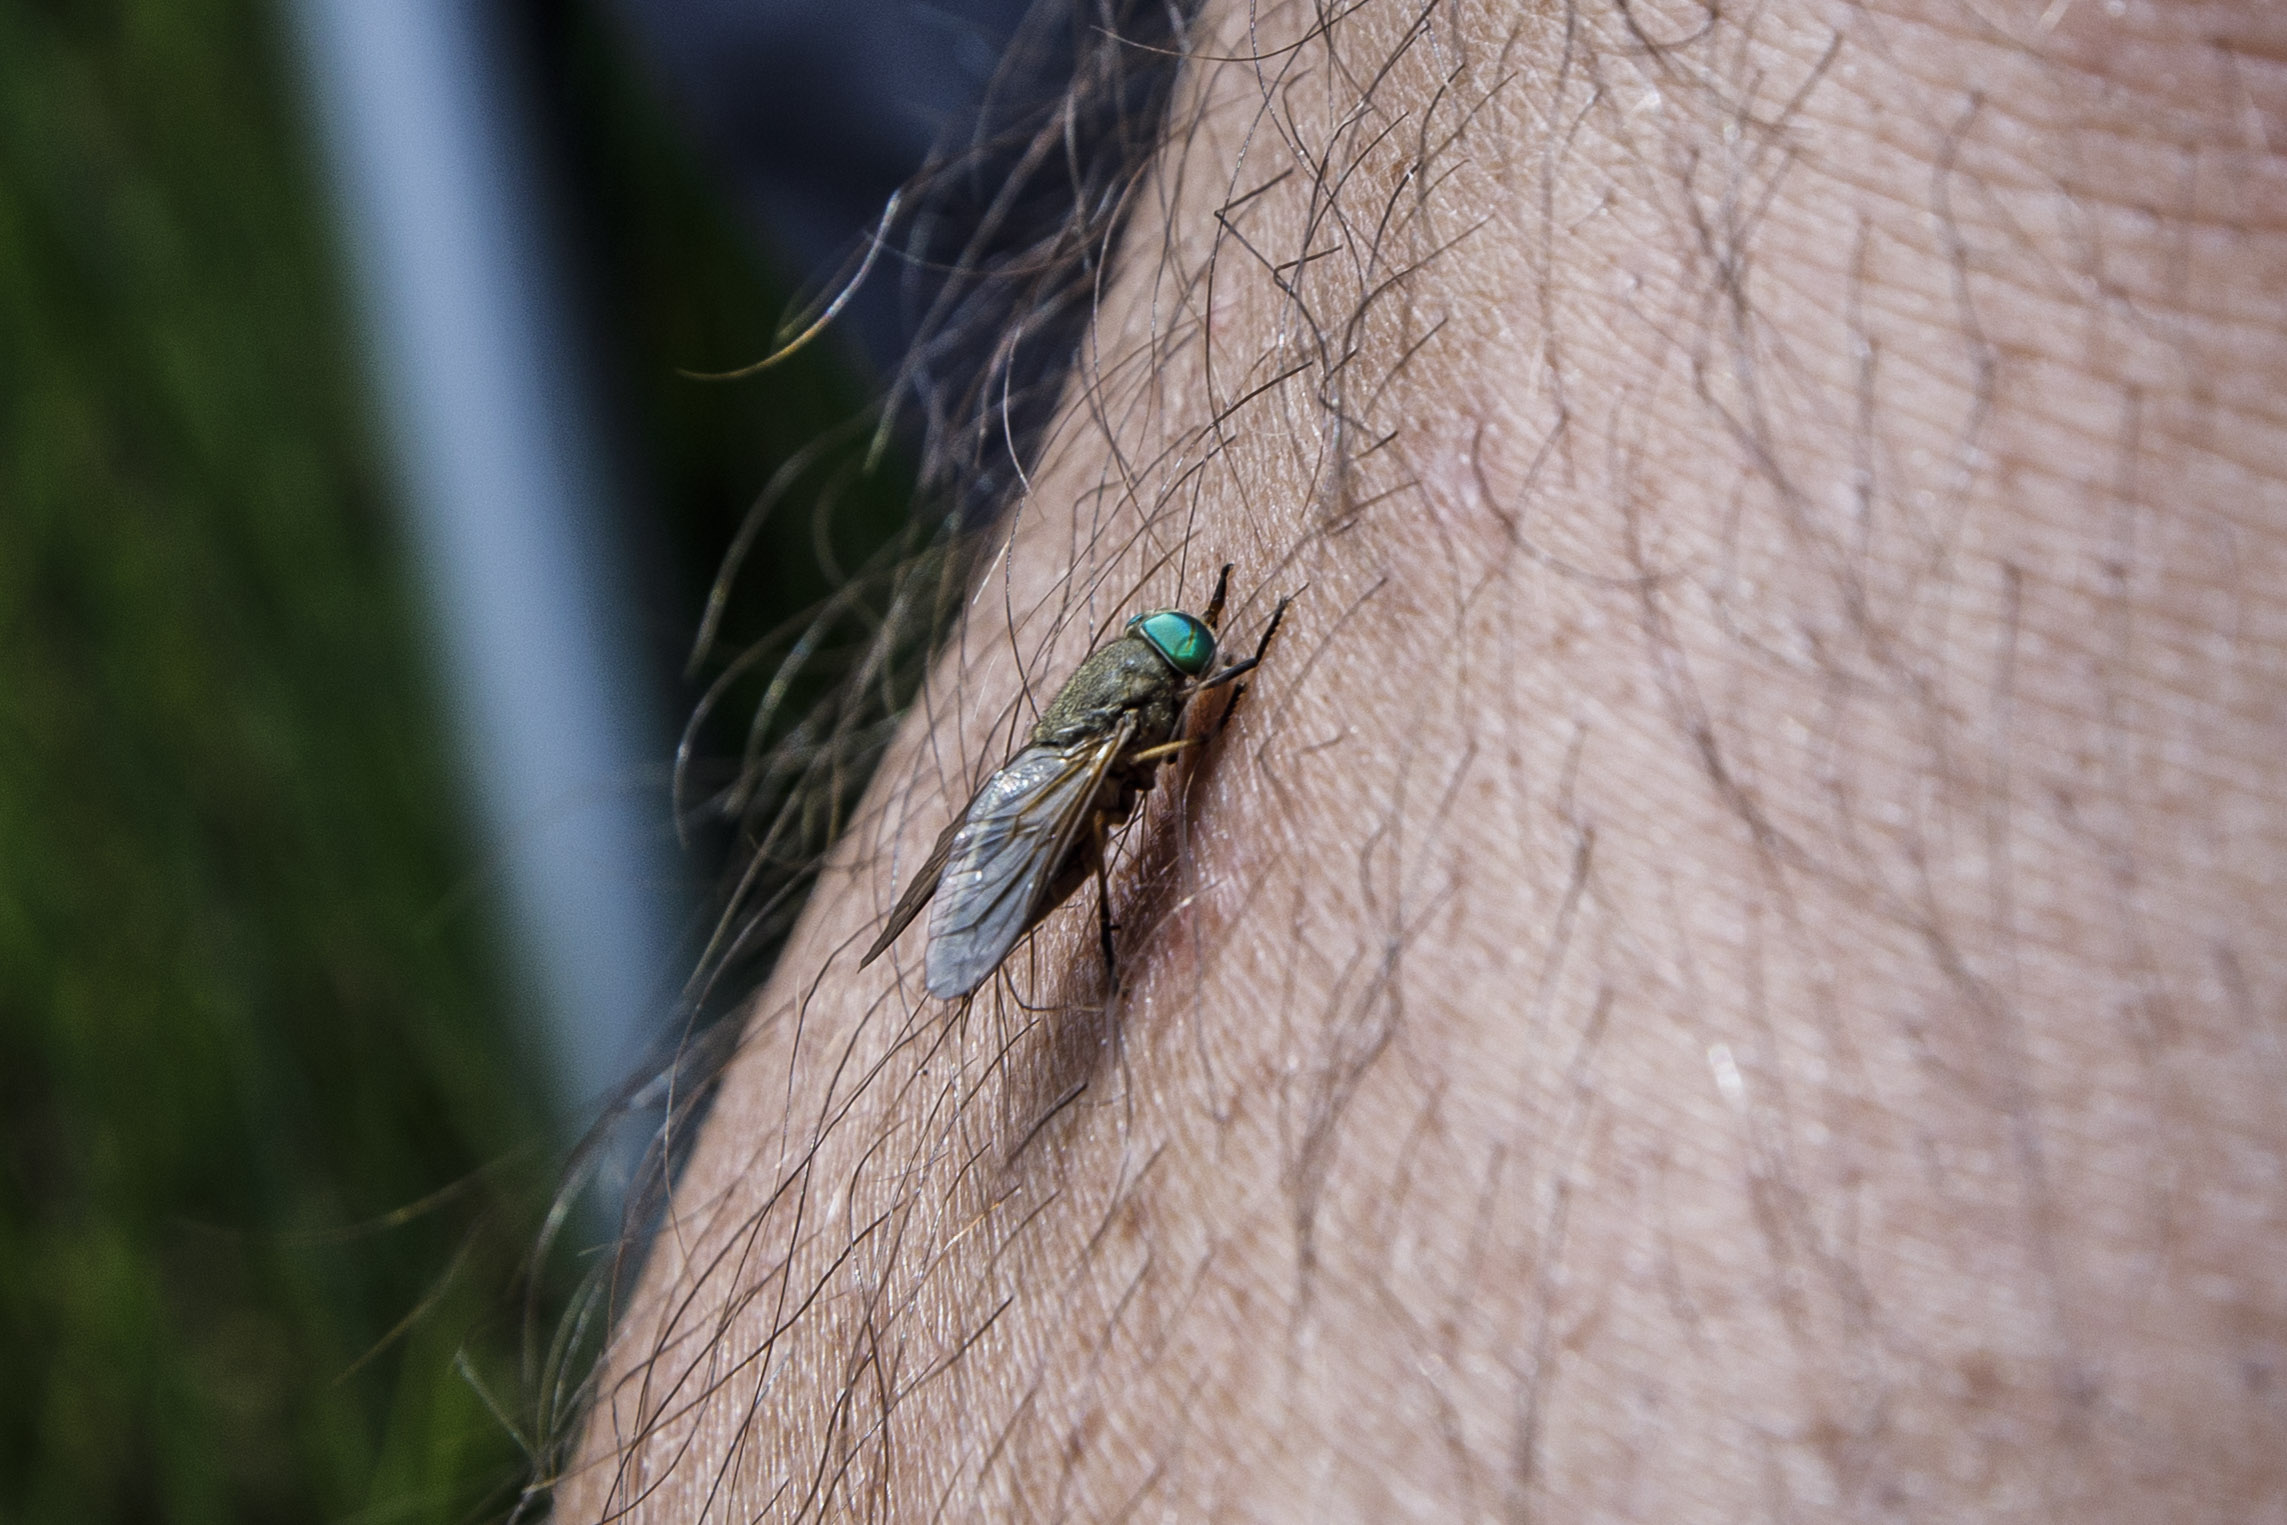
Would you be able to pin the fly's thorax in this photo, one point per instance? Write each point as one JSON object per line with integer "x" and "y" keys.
{"x": 1126, "y": 675}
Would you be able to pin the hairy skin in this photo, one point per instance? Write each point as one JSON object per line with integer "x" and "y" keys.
{"x": 1731, "y": 963}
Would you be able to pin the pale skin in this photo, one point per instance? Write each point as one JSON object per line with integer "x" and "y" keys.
{"x": 1731, "y": 963}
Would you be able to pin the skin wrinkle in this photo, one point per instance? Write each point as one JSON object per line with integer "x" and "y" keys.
{"x": 1726, "y": 966}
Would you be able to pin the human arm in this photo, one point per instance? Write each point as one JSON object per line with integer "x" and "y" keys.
{"x": 1730, "y": 962}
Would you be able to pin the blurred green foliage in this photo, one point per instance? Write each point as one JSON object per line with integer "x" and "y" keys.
{"x": 271, "y": 1153}
{"x": 244, "y": 1018}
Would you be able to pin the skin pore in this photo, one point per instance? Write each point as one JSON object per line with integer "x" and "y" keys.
{"x": 1730, "y": 963}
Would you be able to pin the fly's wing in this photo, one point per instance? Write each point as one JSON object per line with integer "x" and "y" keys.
{"x": 1019, "y": 828}
{"x": 916, "y": 893}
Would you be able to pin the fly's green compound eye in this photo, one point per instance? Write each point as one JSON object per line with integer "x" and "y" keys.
{"x": 1187, "y": 643}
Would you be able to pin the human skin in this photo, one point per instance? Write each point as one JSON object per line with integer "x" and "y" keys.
{"x": 1729, "y": 965}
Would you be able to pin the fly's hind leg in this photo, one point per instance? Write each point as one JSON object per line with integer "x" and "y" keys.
{"x": 1105, "y": 926}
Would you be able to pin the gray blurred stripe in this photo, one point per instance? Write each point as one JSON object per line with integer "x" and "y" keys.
{"x": 516, "y": 511}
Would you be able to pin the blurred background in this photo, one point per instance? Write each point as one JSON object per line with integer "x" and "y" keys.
{"x": 356, "y": 520}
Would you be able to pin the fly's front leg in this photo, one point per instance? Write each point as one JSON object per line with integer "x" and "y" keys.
{"x": 1241, "y": 669}
{"x": 1214, "y": 614}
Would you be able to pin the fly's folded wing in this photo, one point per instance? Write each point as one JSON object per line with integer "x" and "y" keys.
{"x": 1019, "y": 828}
{"x": 917, "y": 893}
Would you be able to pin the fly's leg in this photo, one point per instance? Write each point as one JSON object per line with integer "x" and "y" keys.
{"x": 1104, "y": 922}
{"x": 1214, "y": 614}
{"x": 1262, "y": 649}
{"x": 1164, "y": 750}
{"x": 1241, "y": 669}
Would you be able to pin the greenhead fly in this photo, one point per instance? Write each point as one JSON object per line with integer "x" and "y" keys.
{"x": 1042, "y": 824}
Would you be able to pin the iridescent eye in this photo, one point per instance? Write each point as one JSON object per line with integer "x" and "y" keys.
{"x": 1187, "y": 643}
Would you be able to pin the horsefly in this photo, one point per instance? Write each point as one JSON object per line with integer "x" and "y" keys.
{"x": 1042, "y": 825}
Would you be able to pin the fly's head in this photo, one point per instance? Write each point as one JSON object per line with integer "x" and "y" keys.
{"x": 1183, "y": 640}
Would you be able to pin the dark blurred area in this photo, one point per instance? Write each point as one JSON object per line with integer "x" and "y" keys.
{"x": 276, "y": 1141}
{"x": 811, "y": 113}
